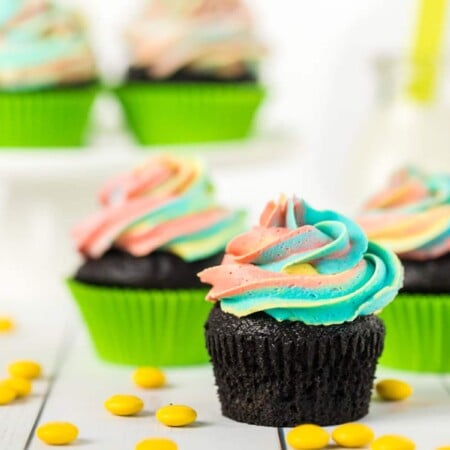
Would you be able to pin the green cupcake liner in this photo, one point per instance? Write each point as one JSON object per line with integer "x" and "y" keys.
{"x": 418, "y": 333}
{"x": 49, "y": 118}
{"x": 163, "y": 113}
{"x": 145, "y": 327}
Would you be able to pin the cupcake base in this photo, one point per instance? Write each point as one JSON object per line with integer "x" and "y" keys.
{"x": 418, "y": 333}
{"x": 48, "y": 118}
{"x": 283, "y": 374}
{"x": 165, "y": 113}
{"x": 144, "y": 327}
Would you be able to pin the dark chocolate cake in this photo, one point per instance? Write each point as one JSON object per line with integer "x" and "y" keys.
{"x": 427, "y": 277}
{"x": 287, "y": 373}
{"x": 158, "y": 270}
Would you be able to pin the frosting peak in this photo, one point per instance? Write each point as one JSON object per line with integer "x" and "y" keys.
{"x": 202, "y": 36}
{"x": 303, "y": 264}
{"x": 167, "y": 203}
{"x": 42, "y": 45}
{"x": 412, "y": 215}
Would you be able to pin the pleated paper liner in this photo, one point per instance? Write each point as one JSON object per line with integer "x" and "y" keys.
{"x": 164, "y": 113}
{"x": 418, "y": 333}
{"x": 49, "y": 118}
{"x": 145, "y": 327}
{"x": 283, "y": 374}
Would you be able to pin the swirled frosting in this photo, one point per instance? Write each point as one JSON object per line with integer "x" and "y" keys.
{"x": 412, "y": 215}
{"x": 42, "y": 45}
{"x": 302, "y": 264}
{"x": 201, "y": 36}
{"x": 168, "y": 204}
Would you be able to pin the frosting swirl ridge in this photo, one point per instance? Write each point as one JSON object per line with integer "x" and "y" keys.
{"x": 303, "y": 264}
{"x": 42, "y": 45}
{"x": 167, "y": 203}
{"x": 411, "y": 216}
{"x": 202, "y": 36}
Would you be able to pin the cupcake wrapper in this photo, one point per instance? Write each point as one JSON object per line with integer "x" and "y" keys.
{"x": 51, "y": 118}
{"x": 323, "y": 377}
{"x": 418, "y": 333}
{"x": 160, "y": 113}
{"x": 144, "y": 327}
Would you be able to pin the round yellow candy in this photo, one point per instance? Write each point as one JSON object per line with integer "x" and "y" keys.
{"x": 21, "y": 386}
{"x": 392, "y": 442}
{"x": 25, "y": 369}
{"x": 156, "y": 444}
{"x": 124, "y": 405}
{"x": 447, "y": 447}
{"x": 149, "y": 377}
{"x": 6, "y": 324}
{"x": 308, "y": 437}
{"x": 7, "y": 395}
{"x": 352, "y": 435}
{"x": 393, "y": 390}
{"x": 57, "y": 433}
{"x": 176, "y": 415}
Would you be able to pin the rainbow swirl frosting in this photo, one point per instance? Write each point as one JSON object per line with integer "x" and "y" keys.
{"x": 302, "y": 264}
{"x": 42, "y": 45}
{"x": 201, "y": 36}
{"x": 411, "y": 216}
{"x": 166, "y": 204}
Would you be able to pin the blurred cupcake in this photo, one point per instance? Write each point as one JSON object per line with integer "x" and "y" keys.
{"x": 293, "y": 338}
{"x": 47, "y": 75}
{"x": 194, "y": 72}
{"x": 137, "y": 289}
{"x": 412, "y": 218}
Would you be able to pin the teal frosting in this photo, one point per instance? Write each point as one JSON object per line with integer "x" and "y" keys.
{"x": 42, "y": 47}
{"x": 345, "y": 275}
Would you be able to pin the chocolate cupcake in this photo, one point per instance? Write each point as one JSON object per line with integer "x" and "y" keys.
{"x": 48, "y": 76}
{"x": 294, "y": 337}
{"x": 137, "y": 288}
{"x": 412, "y": 218}
{"x": 194, "y": 72}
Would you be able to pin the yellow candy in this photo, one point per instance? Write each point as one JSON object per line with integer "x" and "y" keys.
{"x": 25, "y": 369}
{"x": 353, "y": 435}
{"x": 156, "y": 444}
{"x": 6, "y": 324}
{"x": 447, "y": 447}
{"x": 57, "y": 433}
{"x": 393, "y": 390}
{"x": 124, "y": 405}
{"x": 176, "y": 415}
{"x": 308, "y": 437}
{"x": 149, "y": 377}
{"x": 7, "y": 395}
{"x": 21, "y": 386}
{"x": 393, "y": 442}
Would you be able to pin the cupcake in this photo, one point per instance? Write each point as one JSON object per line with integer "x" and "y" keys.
{"x": 194, "y": 72}
{"x": 137, "y": 288}
{"x": 411, "y": 216}
{"x": 47, "y": 75}
{"x": 293, "y": 336}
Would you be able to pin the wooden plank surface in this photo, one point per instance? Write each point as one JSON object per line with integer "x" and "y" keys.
{"x": 85, "y": 383}
{"x": 77, "y": 384}
{"x": 424, "y": 418}
{"x": 38, "y": 338}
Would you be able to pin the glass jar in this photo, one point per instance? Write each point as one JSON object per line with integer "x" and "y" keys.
{"x": 401, "y": 131}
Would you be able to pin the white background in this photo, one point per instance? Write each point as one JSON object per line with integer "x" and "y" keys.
{"x": 321, "y": 83}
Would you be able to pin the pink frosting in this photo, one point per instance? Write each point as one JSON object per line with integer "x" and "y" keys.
{"x": 411, "y": 215}
{"x": 165, "y": 203}
{"x": 202, "y": 36}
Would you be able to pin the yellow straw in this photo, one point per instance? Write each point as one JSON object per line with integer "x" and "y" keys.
{"x": 426, "y": 51}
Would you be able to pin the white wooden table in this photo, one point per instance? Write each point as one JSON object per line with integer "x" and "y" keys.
{"x": 76, "y": 384}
